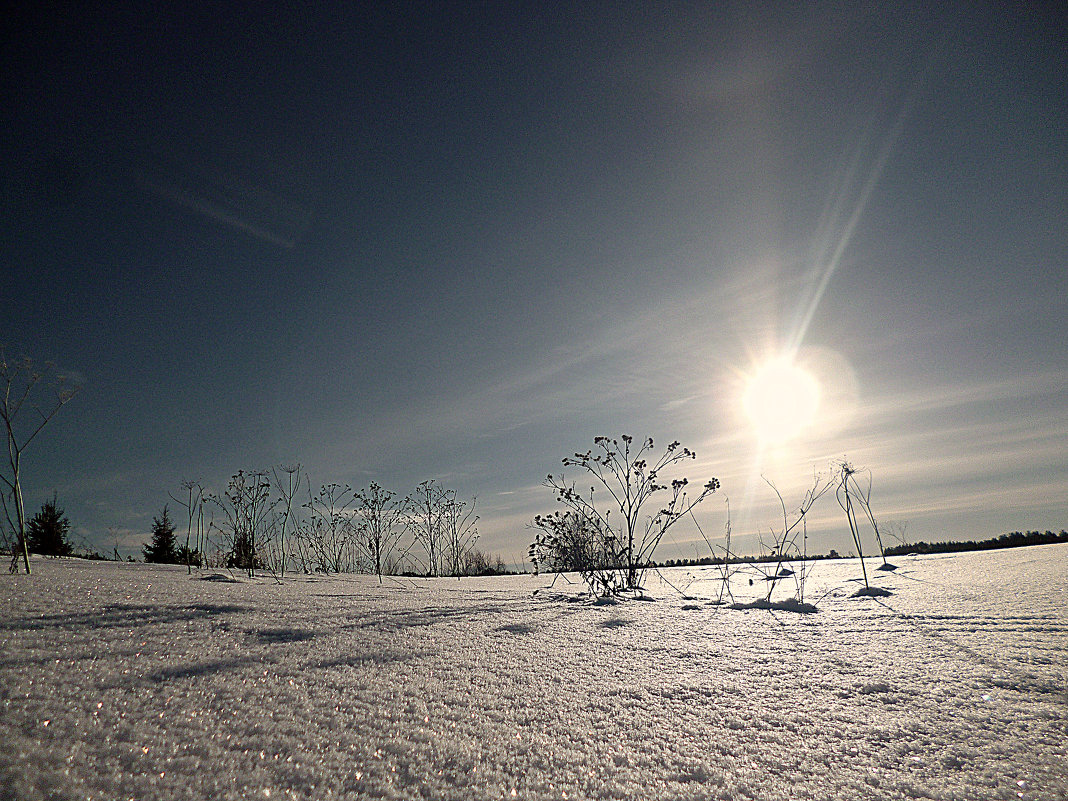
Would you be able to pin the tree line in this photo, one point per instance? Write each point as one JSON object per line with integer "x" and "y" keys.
{"x": 1014, "y": 539}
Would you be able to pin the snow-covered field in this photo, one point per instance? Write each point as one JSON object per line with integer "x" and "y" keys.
{"x": 135, "y": 681}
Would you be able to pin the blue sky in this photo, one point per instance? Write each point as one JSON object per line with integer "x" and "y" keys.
{"x": 458, "y": 241}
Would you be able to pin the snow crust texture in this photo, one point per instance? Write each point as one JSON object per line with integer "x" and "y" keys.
{"x": 140, "y": 682}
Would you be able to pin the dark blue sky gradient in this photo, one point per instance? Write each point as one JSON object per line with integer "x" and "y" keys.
{"x": 457, "y": 241}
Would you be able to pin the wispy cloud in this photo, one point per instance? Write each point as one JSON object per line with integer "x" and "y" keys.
{"x": 234, "y": 203}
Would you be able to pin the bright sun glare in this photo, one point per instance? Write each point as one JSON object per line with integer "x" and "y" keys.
{"x": 780, "y": 399}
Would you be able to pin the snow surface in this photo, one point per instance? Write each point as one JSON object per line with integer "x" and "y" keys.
{"x": 127, "y": 681}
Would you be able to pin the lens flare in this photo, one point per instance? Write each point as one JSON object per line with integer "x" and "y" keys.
{"x": 780, "y": 400}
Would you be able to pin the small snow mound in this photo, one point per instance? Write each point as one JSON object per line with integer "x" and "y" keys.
{"x": 220, "y": 577}
{"x": 516, "y": 628}
{"x": 606, "y": 600}
{"x": 690, "y": 607}
{"x": 789, "y": 605}
{"x": 784, "y": 573}
{"x": 871, "y": 592}
{"x": 874, "y": 687}
{"x": 887, "y": 567}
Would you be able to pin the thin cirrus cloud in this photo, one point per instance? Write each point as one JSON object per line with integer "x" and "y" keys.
{"x": 232, "y": 202}
{"x": 1014, "y": 389}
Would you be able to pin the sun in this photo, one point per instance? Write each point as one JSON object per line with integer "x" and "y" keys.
{"x": 780, "y": 400}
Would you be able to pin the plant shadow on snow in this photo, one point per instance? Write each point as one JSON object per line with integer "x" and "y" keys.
{"x": 429, "y": 616}
{"x": 360, "y": 660}
{"x": 516, "y": 628}
{"x": 1011, "y": 678}
{"x": 122, "y": 616}
{"x": 278, "y": 636}
{"x": 201, "y": 669}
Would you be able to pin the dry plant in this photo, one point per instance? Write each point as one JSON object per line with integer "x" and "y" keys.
{"x": 790, "y": 543}
{"x": 287, "y": 480}
{"x": 850, "y": 494}
{"x": 247, "y": 508}
{"x": 424, "y": 511}
{"x": 193, "y": 503}
{"x": 571, "y": 542}
{"x": 443, "y": 526}
{"x": 29, "y": 399}
{"x": 381, "y": 523}
{"x": 458, "y": 534}
{"x": 330, "y": 531}
{"x": 618, "y": 534}
{"x": 723, "y": 557}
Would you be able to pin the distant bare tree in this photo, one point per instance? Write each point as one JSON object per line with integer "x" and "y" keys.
{"x": 30, "y": 399}
{"x": 899, "y": 530}
{"x": 380, "y": 524}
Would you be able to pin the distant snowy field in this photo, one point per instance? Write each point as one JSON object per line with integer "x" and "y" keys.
{"x": 135, "y": 681}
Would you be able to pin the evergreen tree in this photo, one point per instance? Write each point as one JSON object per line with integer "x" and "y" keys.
{"x": 47, "y": 530}
{"x": 164, "y": 547}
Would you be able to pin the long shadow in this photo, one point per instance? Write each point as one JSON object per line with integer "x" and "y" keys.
{"x": 277, "y": 636}
{"x": 1022, "y": 679}
{"x": 427, "y": 616}
{"x": 360, "y": 660}
{"x": 516, "y": 628}
{"x": 121, "y": 616}
{"x": 200, "y": 669}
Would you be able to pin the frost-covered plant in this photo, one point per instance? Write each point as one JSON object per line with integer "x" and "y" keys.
{"x": 617, "y": 528}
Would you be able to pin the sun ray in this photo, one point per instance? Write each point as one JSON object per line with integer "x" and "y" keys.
{"x": 828, "y": 253}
